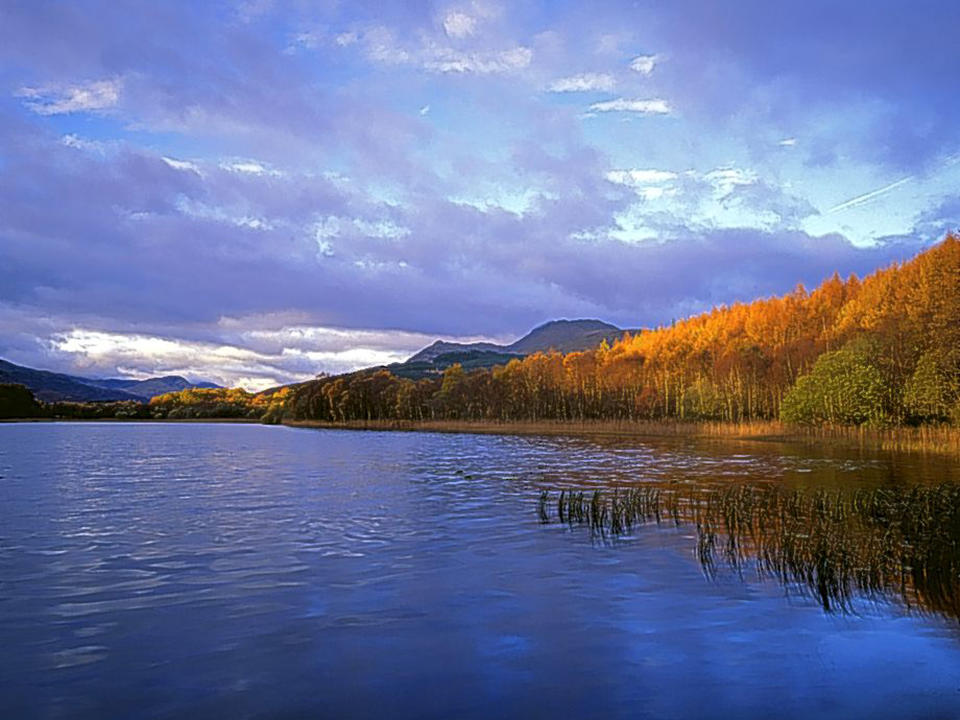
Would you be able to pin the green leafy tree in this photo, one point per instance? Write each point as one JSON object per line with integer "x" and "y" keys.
{"x": 844, "y": 387}
{"x": 933, "y": 391}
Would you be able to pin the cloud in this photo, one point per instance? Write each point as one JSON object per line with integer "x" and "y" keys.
{"x": 644, "y": 64}
{"x": 432, "y": 56}
{"x": 184, "y": 165}
{"x": 448, "y": 60}
{"x": 251, "y": 167}
{"x": 232, "y": 179}
{"x": 648, "y": 184}
{"x": 725, "y": 179}
{"x": 787, "y": 142}
{"x": 750, "y": 65}
{"x": 654, "y": 106}
{"x": 640, "y": 177}
{"x": 459, "y": 24}
{"x": 585, "y": 82}
{"x": 722, "y": 197}
{"x": 62, "y": 99}
{"x": 256, "y": 360}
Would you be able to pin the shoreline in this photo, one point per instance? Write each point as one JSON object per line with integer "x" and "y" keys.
{"x": 238, "y": 421}
{"x": 935, "y": 439}
{"x": 939, "y": 439}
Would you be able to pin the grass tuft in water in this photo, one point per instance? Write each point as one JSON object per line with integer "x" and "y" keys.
{"x": 886, "y": 544}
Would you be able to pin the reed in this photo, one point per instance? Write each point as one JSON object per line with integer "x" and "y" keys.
{"x": 926, "y": 438}
{"x": 887, "y": 544}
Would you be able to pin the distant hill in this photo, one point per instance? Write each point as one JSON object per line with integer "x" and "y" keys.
{"x": 150, "y": 387}
{"x": 562, "y": 335}
{"x": 55, "y": 387}
{"x": 440, "y": 347}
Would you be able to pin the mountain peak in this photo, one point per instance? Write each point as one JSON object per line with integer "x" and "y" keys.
{"x": 562, "y": 335}
{"x": 566, "y": 336}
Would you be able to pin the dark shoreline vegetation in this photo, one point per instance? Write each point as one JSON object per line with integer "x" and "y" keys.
{"x": 881, "y": 354}
{"x": 898, "y": 545}
{"x": 938, "y": 438}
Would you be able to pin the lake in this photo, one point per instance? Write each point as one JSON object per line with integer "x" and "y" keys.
{"x": 244, "y": 571}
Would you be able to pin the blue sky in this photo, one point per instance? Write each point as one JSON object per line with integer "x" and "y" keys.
{"x": 254, "y": 192}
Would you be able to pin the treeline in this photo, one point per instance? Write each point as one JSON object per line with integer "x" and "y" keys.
{"x": 16, "y": 401}
{"x": 200, "y": 403}
{"x": 881, "y": 351}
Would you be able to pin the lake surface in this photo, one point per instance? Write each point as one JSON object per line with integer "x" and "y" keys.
{"x": 242, "y": 571}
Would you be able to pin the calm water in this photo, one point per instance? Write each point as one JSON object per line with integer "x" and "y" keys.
{"x": 235, "y": 571}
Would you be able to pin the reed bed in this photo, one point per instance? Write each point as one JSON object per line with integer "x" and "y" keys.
{"x": 927, "y": 438}
{"x": 887, "y": 544}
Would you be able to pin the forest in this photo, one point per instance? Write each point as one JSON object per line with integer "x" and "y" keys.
{"x": 881, "y": 351}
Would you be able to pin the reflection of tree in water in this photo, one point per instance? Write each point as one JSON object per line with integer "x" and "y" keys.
{"x": 880, "y": 544}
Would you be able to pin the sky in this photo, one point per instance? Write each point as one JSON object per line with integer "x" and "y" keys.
{"x": 256, "y": 192}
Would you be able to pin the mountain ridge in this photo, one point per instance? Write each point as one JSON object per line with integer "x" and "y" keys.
{"x": 562, "y": 335}
{"x": 50, "y": 386}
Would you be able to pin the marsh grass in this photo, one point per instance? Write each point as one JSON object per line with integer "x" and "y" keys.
{"x": 888, "y": 544}
{"x": 926, "y": 438}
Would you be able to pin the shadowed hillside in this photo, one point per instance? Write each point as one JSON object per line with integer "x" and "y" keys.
{"x": 59, "y": 387}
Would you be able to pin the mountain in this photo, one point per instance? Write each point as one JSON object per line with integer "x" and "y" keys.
{"x": 566, "y": 336}
{"x": 429, "y": 353}
{"x": 150, "y": 387}
{"x": 562, "y": 335}
{"x": 55, "y": 387}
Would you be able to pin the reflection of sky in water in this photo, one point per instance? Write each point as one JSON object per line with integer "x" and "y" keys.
{"x": 241, "y": 571}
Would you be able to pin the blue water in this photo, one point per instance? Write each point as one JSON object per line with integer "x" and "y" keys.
{"x": 242, "y": 571}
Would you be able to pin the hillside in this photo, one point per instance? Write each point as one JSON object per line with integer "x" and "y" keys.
{"x": 884, "y": 350}
{"x": 57, "y": 387}
{"x": 151, "y": 387}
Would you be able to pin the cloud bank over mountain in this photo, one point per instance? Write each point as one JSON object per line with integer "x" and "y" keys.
{"x": 255, "y": 194}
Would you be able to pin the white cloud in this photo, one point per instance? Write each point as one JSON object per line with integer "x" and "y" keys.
{"x": 448, "y": 60}
{"x": 644, "y": 64}
{"x": 251, "y": 358}
{"x": 63, "y": 99}
{"x": 459, "y": 24}
{"x": 183, "y": 165}
{"x": 584, "y": 82}
{"x": 650, "y": 184}
{"x": 640, "y": 177}
{"x": 705, "y": 190}
{"x": 203, "y": 211}
{"x": 345, "y": 39}
{"x": 654, "y": 106}
{"x": 76, "y": 142}
{"x": 248, "y": 167}
{"x": 725, "y": 179}
{"x": 382, "y": 47}
{"x": 787, "y": 142}
{"x": 333, "y": 227}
